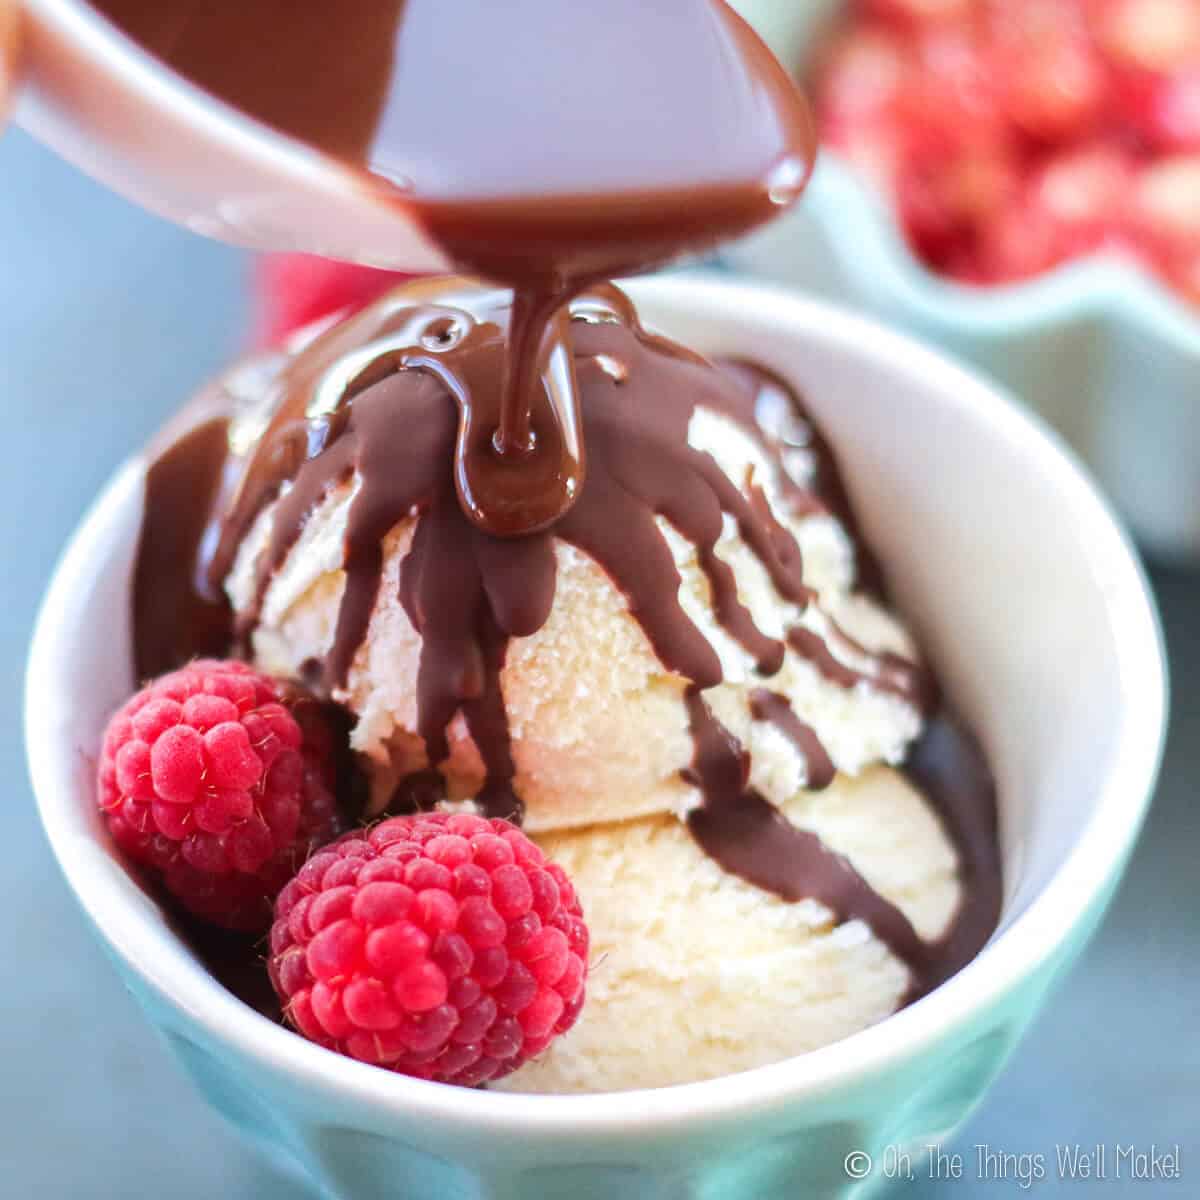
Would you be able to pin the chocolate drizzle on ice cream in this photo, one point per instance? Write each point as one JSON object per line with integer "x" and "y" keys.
{"x": 766, "y": 705}
{"x": 384, "y": 404}
{"x": 738, "y": 827}
{"x": 748, "y": 836}
{"x": 592, "y": 160}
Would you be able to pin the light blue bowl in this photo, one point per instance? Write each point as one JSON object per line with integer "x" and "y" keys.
{"x": 1100, "y": 348}
{"x": 1035, "y": 611}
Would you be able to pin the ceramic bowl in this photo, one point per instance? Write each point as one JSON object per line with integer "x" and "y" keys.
{"x": 1034, "y": 609}
{"x": 1099, "y": 347}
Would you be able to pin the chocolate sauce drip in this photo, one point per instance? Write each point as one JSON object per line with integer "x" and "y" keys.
{"x": 948, "y": 767}
{"x": 764, "y": 404}
{"x": 781, "y": 536}
{"x": 751, "y": 838}
{"x": 631, "y": 133}
{"x": 766, "y": 705}
{"x": 642, "y": 468}
{"x": 774, "y": 406}
{"x": 740, "y": 829}
{"x": 466, "y": 597}
{"x": 886, "y": 671}
{"x": 175, "y": 616}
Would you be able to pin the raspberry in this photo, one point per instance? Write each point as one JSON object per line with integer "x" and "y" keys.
{"x": 296, "y": 289}
{"x": 1155, "y": 35}
{"x": 1055, "y": 87}
{"x": 862, "y": 74}
{"x": 208, "y": 779}
{"x": 1164, "y": 110}
{"x": 917, "y": 12}
{"x": 1072, "y": 204}
{"x": 441, "y": 946}
{"x": 1165, "y": 205}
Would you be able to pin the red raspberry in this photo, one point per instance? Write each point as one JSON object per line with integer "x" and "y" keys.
{"x": 441, "y": 946}
{"x": 206, "y": 778}
{"x": 1055, "y": 88}
{"x": 1165, "y": 206}
{"x": 861, "y": 75}
{"x": 1164, "y": 110}
{"x": 1017, "y": 244}
{"x": 1165, "y": 220}
{"x": 1153, "y": 35}
{"x": 296, "y": 289}
{"x": 1072, "y": 204}
{"x": 1084, "y": 191}
{"x": 918, "y": 12}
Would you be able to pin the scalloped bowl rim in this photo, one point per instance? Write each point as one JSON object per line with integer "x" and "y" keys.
{"x": 151, "y": 951}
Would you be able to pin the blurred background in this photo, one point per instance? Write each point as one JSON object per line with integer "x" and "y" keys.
{"x": 110, "y": 318}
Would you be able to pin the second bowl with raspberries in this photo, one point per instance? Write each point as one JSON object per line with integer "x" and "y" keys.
{"x": 1011, "y": 136}
{"x": 1017, "y": 182}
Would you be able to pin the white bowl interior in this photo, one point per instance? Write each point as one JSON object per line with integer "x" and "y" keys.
{"x": 1023, "y": 589}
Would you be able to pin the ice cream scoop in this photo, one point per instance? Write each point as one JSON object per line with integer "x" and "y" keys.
{"x": 599, "y": 727}
{"x": 696, "y": 973}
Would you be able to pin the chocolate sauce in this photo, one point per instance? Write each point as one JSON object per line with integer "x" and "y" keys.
{"x": 775, "y": 407}
{"x": 382, "y": 401}
{"x": 751, "y": 838}
{"x": 393, "y": 424}
{"x": 766, "y": 705}
{"x": 887, "y": 672}
{"x": 176, "y": 616}
{"x": 947, "y": 766}
{"x": 543, "y": 144}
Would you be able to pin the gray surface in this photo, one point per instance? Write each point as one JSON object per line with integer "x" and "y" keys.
{"x": 107, "y": 319}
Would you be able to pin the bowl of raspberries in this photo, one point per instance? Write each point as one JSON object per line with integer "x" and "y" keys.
{"x": 1019, "y": 180}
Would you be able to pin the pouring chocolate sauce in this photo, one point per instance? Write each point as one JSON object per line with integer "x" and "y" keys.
{"x": 544, "y": 145}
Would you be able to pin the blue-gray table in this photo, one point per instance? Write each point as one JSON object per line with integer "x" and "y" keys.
{"x": 108, "y": 318}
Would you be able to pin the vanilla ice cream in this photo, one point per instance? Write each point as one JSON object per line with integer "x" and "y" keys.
{"x": 696, "y": 970}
